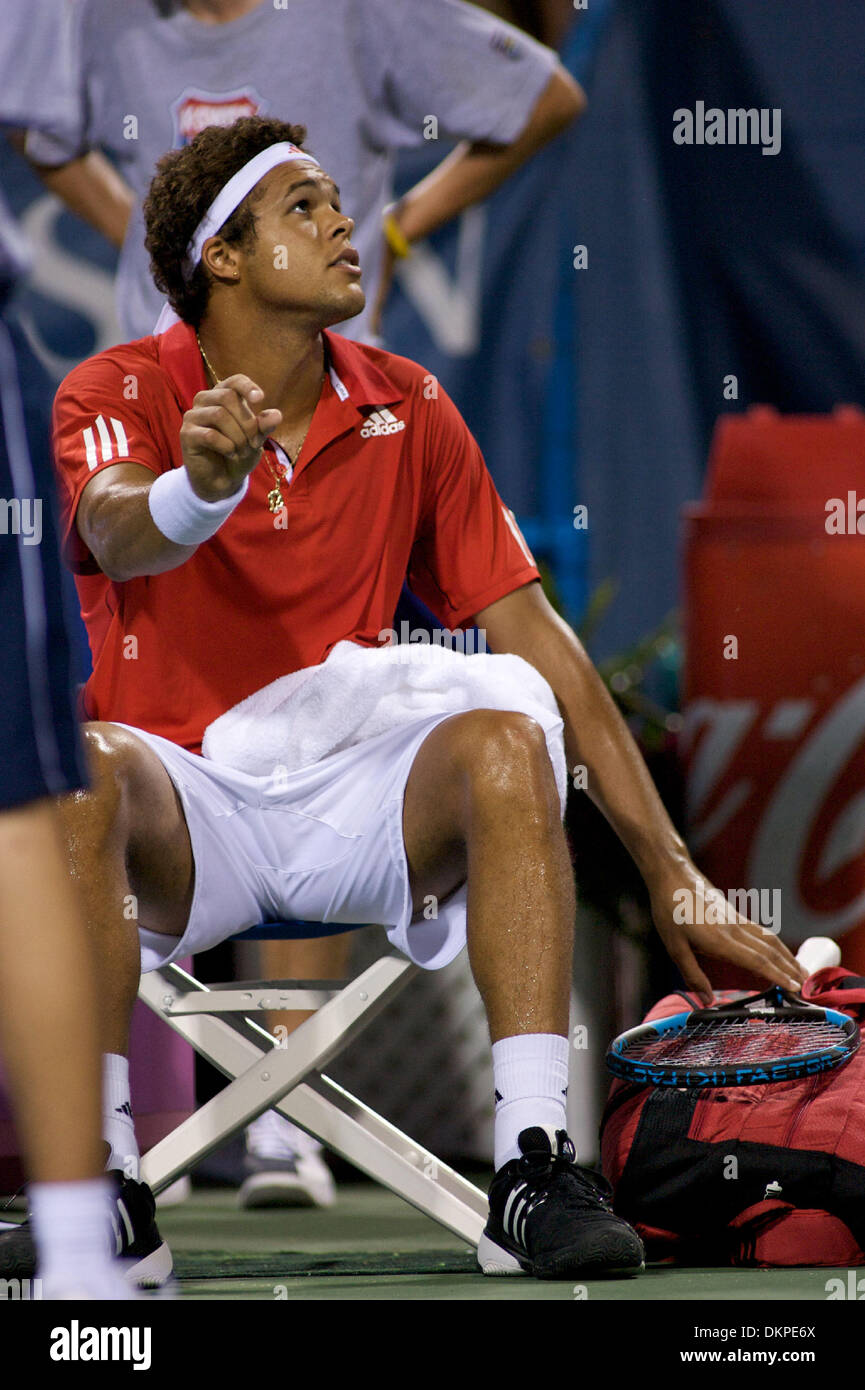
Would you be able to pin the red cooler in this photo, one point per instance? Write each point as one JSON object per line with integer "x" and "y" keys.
{"x": 774, "y": 690}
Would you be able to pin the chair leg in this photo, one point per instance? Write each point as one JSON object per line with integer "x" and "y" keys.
{"x": 382, "y": 1151}
{"x": 239, "y": 1047}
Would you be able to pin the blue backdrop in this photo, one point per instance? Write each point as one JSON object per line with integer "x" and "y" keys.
{"x": 602, "y": 385}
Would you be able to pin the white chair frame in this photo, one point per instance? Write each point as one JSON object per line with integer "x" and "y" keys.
{"x": 216, "y": 1020}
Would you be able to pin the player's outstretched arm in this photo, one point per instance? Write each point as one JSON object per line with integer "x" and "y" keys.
{"x": 221, "y": 438}
{"x": 618, "y": 782}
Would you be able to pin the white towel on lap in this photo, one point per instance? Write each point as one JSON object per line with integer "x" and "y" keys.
{"x": 360, "y": 692}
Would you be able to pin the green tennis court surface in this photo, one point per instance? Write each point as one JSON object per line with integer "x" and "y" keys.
{"x": 371, "y": 1245}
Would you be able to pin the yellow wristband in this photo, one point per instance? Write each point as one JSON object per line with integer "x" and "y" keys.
{"x": 395, "y": 237}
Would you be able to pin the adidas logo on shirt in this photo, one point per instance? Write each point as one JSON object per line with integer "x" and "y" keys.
{"x": 100, "y": 441}
{"x": 381, "y": 422}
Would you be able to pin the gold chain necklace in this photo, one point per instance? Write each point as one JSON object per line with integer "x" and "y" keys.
{"x": 278, "y": 472}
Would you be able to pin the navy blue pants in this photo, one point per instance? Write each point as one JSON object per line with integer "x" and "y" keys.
{"x": 40, "y": 749}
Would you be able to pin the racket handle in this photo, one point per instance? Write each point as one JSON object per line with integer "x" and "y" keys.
{"x": 817, "y": 953}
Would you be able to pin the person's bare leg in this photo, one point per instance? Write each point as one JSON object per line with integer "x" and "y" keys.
{"x": 481, "y": 803}
{"x": 50, "y": 1045}
{"x": 48, "y": 1016}
{"x": 130, "y": 857}
{"x": 322, "y": 958}
{"x": 285, "y": 1167}
{"x": 129, "y": 852}
{"x": 69, "y": 964}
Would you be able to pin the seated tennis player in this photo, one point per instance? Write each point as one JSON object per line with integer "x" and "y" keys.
{"x": 241, "y": 494}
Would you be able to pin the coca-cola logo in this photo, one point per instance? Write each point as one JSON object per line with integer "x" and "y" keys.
{"x": 194, "y": 110}
{"x": 775, "y": 798}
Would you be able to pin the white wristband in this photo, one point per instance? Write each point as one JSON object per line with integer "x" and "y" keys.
{"x": 184, "y": 517}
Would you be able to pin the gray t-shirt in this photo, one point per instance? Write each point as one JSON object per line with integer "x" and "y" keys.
{"x": 37, "y": 88}
{"x": 363, "y": 76}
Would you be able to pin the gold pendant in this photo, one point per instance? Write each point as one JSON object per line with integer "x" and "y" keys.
{"x": 275, "y": 500}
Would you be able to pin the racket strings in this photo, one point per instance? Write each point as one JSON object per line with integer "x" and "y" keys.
{"x": 723, "y": 1042}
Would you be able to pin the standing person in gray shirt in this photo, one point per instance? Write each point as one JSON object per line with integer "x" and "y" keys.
{"x": 366, "y": 77}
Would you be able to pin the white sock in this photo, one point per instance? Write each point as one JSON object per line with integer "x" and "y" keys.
{"x": 72, "y": 1227}
{"x": 118, "y": 1126}
{"x": 531, "y": 1080}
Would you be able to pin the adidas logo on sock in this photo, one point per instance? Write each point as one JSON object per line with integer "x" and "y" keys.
{"x": 124, "y": 1109}
{"x": 381, "y": 422}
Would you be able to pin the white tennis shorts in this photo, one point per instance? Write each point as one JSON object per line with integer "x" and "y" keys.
{"x": 323, "y": 844}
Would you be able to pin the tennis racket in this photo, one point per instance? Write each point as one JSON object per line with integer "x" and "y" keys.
{"x": 757, "y": 1039}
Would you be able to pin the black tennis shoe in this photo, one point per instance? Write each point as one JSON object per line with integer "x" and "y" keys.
{"x": 145, "y": 1257}
{"x": 553, "y": 1219}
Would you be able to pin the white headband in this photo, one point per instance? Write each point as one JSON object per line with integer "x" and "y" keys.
{"x": 232, "y": 195}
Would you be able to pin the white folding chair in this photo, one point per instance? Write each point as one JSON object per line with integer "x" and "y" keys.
{"x": 218, "y": 1021}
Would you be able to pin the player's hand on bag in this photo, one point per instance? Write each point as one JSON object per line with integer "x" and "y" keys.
{"x": 222, "y": 436}
{"x": 713, "y": 927}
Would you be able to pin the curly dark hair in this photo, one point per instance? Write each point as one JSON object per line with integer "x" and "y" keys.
{"x": 185, "y": 184}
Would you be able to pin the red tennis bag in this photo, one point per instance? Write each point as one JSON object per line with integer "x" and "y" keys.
{"x": 750, "y": 1175}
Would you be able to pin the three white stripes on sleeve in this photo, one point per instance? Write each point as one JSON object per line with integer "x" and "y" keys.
{"x": 107, "y": 446}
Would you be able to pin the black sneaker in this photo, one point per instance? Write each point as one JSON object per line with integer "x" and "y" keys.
{"x": 553, "y": 1219}
{"x": 146, "y": 1258}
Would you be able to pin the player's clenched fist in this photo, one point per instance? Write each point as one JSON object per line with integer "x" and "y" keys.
{"x": 222, "y": 436}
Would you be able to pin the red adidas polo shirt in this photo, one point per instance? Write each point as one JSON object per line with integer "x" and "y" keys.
{"x": 390, "y": 484}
